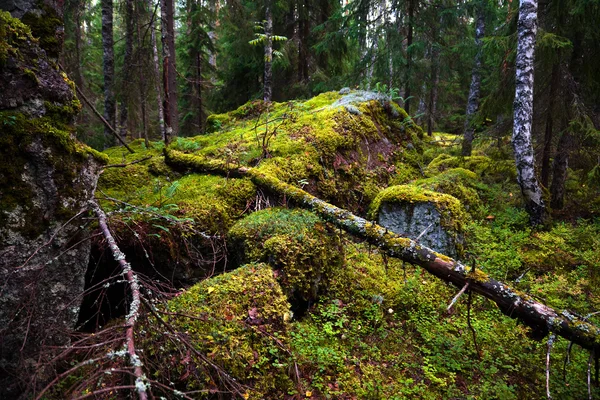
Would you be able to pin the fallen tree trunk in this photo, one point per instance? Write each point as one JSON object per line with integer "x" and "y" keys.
{"x": 541, "y": 318}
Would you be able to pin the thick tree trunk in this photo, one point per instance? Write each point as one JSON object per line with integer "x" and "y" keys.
{"x": 474, "y": 89}
{"x": 554, "y": 82}
{"x": 523, "y": 113}
{"x": 169, "y": 70}
{"x": 268, "y": 73}
{"x": 541, "y": 318}
{"x": 110, "y": 107}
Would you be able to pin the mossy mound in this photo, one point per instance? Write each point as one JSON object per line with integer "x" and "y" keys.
{"x": 492, "y": 170}
{"x": 238, "y": 320}
{"x": 459, "y": 183}
{"x": 296, "y": 242}
{"x": 342, "y": 156}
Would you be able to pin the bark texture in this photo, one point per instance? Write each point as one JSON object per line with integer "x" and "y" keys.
{"x": 108, "y": 62}
{"x": 523, "y": 113}
{"x": 127, "y": 68}
{"x": 474, "y": 89}
{"x": 171, "y": 116}
{"x": 268, "y": 73}
{"x": 46, "y": 178}
{"x": 559, "y": 169}
{"x": 156, "y": 65}
{"x": 541, "y": 318}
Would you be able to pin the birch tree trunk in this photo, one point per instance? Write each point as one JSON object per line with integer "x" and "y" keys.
{"x": 157, "y": 80}
{"x": 268, "y": 73}
{"x": 523, "y": 113}
{"x": 108, "y": 62}
{"x": 474, "y": 89}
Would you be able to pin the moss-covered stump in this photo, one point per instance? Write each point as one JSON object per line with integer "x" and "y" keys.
{"x": 297, "y": 243}
{"x": 46, "y": 181}
{"x": 239, "y": 321}
{"x": 434, "y": 219}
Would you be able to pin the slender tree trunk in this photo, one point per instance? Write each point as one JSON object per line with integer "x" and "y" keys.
{"x": 523, "y": 113}
{"x": 554, "y": 82}
{"x": 409, "y": 41}
{"x": 169, "y": 69}
{"x": 474, "y": 90}
{"x": 157, "y": 79}
{"x": 127, "y": 62}
{"x": 433, "y": 92}
{"x": 78, "y": 74}
{"x": 560, "y": 166}
{"x": 199, "y": 91}
{"x": 388, "y": 42}
{"x": 268, "y": 73}
{"x": 108, "y": 60}
{"x": 143, "y": 88}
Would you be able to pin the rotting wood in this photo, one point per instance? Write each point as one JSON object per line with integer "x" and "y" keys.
{"x": 539, "y": 317}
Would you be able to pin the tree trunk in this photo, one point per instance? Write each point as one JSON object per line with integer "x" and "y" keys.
{"x": 143, "y": 88}
{"x": 560, "y": 166}
{"x": 199, "y": 91}
{"x": 169, "y": 69}
{"x": 409, "y": 41}
{"x": 474, "y": 89}
{"x": 541, "y": 318}
{"x": 433, "y": 93}
{"x": 268, "y": 73}
{"x": 78, "y": 75}
{"x": 523, "y": 113}
{"x": 554, "y": 82}
{"x": 110, "y": 107}
{"x": 157, "y": 79}
{"x": 127, "y": 62}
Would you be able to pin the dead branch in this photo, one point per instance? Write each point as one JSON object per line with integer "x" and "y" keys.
{"x": 541, "y": 318}
{"x": 457, "y": 296}
{"x": 134, "y": 307}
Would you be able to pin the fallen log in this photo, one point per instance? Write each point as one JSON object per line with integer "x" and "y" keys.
{"x": 539, "y": 317}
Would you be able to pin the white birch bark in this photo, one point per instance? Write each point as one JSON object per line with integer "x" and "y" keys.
{"x": 523, "y": 113}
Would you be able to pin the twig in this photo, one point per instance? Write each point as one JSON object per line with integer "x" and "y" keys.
{"x": 129, "y": 163}
{"x": 567, "y": 361}
{"x": 422, "y": 233}
{"x": 550, "y": 343}
{"x": 134, "y": 307}
{"x": 457, "y": 296}
{"x": 473, "y": 333}
{"x": 104, "y": 121}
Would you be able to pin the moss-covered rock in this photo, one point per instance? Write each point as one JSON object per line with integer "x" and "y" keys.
{"x": 296, "y": 242}
{"x": 437, "y": 220}
{"x": 239, "y": 320}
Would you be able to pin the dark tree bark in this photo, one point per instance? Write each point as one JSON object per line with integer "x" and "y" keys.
{"x": 523, "y": 113}
{"x": 541, "y": 318}
{"x": 108, "y": 61}
{"x": 560, "y": 166}
{"x": 548, "y": 133}
{"x": 268, "y": 73}
{"x": 141, "y": 71}
{"x": 169, "y": 70}
{"x": 127, "y": 68}
{"x": 433, "y": 93}
{"x": 156, "y": 70}
{"x": 409, "y": 41}
{"x": 474, "y": 89}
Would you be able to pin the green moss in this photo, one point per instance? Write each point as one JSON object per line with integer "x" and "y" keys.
{"x": 45, "y": 26}
{"x": 477, "y": 164}
{"x": 459, "y": 183}
{"x": 451, "y": 211}
{"x": 13, "y": 35}
{"x": 238, "y": 320}
{"x": 295, "y": 241}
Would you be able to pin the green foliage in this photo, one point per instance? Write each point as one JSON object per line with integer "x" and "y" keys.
{"x": 296, "y": 242}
